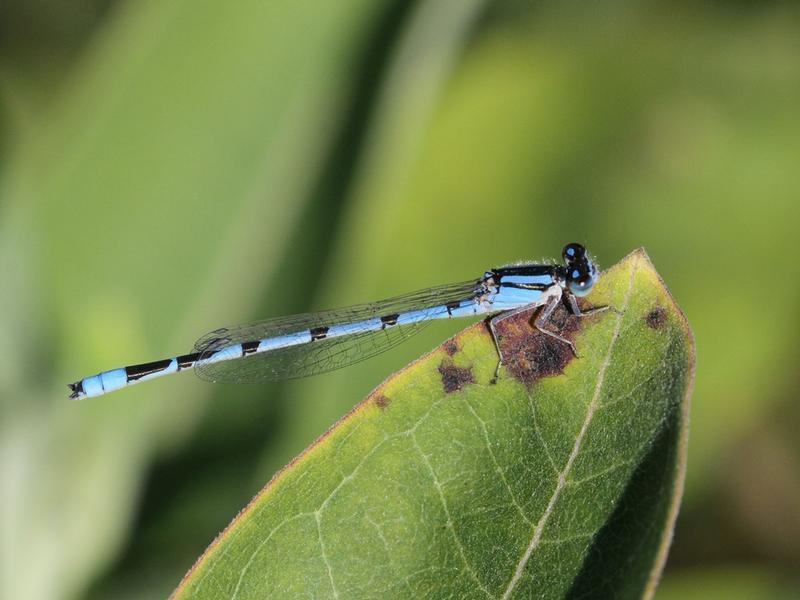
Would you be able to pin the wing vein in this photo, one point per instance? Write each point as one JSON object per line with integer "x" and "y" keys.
{"x": 326, "y": 354}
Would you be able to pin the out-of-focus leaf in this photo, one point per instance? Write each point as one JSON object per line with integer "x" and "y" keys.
{"x": 159, "y": 187}
{"x": 742, "y": 582}
{"x": 562, "y": 478}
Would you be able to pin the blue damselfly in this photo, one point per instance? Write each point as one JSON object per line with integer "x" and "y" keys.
{"x": 307, "y": 344}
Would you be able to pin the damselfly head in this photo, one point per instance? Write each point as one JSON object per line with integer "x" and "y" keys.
{"x": 581, "y": 272}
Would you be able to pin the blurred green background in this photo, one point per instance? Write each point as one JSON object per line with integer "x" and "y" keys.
{"x": 170, "y": 167}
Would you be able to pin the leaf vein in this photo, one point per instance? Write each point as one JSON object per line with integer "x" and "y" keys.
{"x": 496, "y": 464}
{"x": 539, "y": 435}
{"x": 630, "y": 392}
{"x": 246, "y": 567}
{"x": 606, "y": 471}
{"x": 352, "y": 474}
{"x": 324, "y": 555}
{"x": 437, "y": 486}
{"x": 385, "y": 543}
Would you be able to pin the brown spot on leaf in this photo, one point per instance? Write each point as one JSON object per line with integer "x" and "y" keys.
{"x": 529, "y": 354}
{"x": 382, "y": 401}
{"x": 453, "y": 377}
{"x": 450, "y": 347}
{"x": 656, "y": 318}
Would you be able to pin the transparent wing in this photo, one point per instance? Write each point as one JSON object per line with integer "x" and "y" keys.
{"x": 321, "y": 355}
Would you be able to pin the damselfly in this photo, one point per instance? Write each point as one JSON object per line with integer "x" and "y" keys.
{"x": 307, "y": 344}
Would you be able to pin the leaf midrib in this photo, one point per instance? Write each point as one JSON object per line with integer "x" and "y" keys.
{"x": 562, "y": 477}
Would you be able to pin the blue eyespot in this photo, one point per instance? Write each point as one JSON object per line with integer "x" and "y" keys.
{"x": 573, "y": 252}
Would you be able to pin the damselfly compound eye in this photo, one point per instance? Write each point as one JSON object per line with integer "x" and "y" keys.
{"x": 573, "y": 252}
{"x": 582, "y": 276}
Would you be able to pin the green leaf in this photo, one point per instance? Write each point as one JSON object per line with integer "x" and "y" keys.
{"x": 562, "y": 479}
